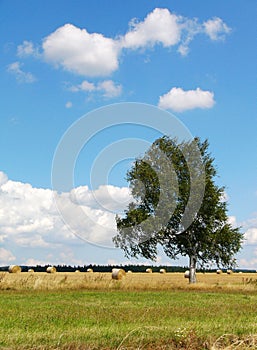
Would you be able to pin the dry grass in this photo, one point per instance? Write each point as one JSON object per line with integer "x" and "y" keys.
{"x": 131, "y": 282}
{"x": 232, "y": 342}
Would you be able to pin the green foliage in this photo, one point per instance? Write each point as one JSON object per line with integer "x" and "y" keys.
{"x": 178, "y": 206}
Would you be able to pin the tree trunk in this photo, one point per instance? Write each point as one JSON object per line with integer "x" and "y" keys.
{"x": 192, "y": 270}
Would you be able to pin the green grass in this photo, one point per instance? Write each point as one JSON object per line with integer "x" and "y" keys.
{"x": 123, "y": 320}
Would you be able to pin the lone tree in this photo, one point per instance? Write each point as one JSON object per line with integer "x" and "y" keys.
{"x": 178, "y": 206}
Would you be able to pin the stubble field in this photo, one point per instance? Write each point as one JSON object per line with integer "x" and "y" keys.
{"x": 141, "y": 311}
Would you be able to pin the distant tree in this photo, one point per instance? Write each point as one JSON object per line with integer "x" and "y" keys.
{"x": 178, "y": 206}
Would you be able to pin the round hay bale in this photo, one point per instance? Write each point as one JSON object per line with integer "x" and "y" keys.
{"x": 219, "y": 272}
{"x": 77, "y": 271}
{"x": 90, "y": 270}
{"x": 162, "y": 271}
{"x": 129, "y": 271}
{"x": 30, "y": 270}
{"x": 118, "y": 274}
{"x": 149, "y": 270}
{"x": 187, "y": 274}
{"x": 51, "y": 269}
{"x": 229, "y": 272}
{"x": 14, "y": 269}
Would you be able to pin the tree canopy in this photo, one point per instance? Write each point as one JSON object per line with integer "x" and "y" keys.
{"x": 178, "y": 206}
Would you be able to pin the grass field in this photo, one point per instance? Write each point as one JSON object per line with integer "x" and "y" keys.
{"x": 142, "y": 311}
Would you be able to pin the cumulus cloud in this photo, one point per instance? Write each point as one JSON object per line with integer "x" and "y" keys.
{"x": 94, "y": 55}
{"x": 251, "y": 235}
{"x": 216, "y": 29}
{"x": 107, "y": 88}
{"x": 3, "y": 178}
{"x": 80, "y": 52}
{"x": 180, "y": 100}
{"x": 232, "y": 221}
{"x": 168, "y": 29}
{"x": 27, "y": 49}
{"x": 29, "y": 217}
{"x": 250, "y": 262}
{"x": 189, "y": 29}
{"x": 108, "y": 197}
{"x": 24, "y": 209}
{"x": 6, "y": 256}
{"x": 250, "y": 230}
{"x": 159, "y": 26}
{"x": 84, "y": 86}
{"x": 15, "y": 68}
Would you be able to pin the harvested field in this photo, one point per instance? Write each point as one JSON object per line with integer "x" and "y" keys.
{"x": 237, "y": 282}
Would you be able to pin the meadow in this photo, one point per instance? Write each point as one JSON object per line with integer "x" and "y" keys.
{"x": 91, "y": 311}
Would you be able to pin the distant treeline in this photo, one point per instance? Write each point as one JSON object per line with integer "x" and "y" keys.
{"x": 108, "y": 268}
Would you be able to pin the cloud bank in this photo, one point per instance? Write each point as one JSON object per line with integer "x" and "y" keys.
{"x": 29, "y": 216}
{"x": 30, "y": 221}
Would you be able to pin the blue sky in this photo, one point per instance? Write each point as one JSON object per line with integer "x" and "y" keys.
{"x": 61, "y": 60}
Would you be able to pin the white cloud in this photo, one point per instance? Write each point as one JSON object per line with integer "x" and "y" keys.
{"x": 224, "y": 197}
{"x": 180, "y": 100}
{"x": 183, "y": 49}
{"x": 159, "y": 26}
{"x": 107, "y": 88}
{"x": 163, "y": 27}
{"x": 250, "y": 230}
{"x": 35, "y": 262}
{"x": 3, "y": 178}
{"x": 25, "y": 240}
{"x": 93, "y": 54}
{"x": 251, "y": 235}
{"x": 68, "y": 255}
{"x": 65, "y": 257}
{"x": 249, "y": 263}
{"x": 107, "y": 197}
{"x": 26, "y": 49}
{"x": 15, "y": 68}
{"x": 68, "y": 104}
{"x": 2, "y": 238}
{"x": 29, "y": 220}
{"x": 216, "y": 29}
{"x": 232, "y": 221}
{"x": 29, "y": 217}
{"x": 25, "y": 210}
{"x": 84, "y": 86}
{"x": 80, "y": 52}
{"x": 6, "y": 256}
{"x": 189, "y": 29}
